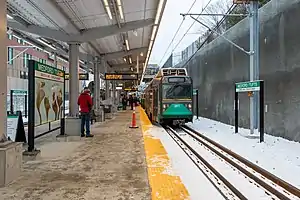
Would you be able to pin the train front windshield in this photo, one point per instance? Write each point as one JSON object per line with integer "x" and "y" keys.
{"x": 177, "y": 91}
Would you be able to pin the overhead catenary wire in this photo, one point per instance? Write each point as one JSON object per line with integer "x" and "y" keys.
{"x": 177, "y": 32}
{"x": 217, "y": 26}
{"x": 191, "y": 26}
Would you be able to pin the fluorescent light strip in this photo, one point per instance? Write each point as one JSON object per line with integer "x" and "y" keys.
{"x": 127, "y": 45}
{"x": 107, "y": 9}
{"x": 50, "y": 46}
{"x": 158, "y": 12}
{"x": 9, "y": 16}
{"x": 121, "y": 12}
{"x": 153, "y": 32}
{"x": 105, "y": 2}
{"x": 150, "y": 45}
{"x": 118, "y": 2}
{"x": 108, "y": 12}
{"x": 130, "y": 60}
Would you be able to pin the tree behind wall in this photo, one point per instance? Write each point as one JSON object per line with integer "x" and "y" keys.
{"x": 241, "y": 9}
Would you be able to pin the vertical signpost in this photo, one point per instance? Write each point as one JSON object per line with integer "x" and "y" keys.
{"x": 46, "y": 97}
{"x": 195, "y": 93}
{"x": 250, "y": 87}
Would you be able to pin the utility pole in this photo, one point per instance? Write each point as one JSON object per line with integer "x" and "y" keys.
{"x": 254, "y": 63}
{"x": 253, "y": 52}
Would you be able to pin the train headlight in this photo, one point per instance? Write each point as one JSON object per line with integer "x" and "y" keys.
{"x": 189, "y": 106}
{"x": 164, "y": 106}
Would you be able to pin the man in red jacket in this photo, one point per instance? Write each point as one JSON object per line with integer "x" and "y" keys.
{"x": 85, "y": 103}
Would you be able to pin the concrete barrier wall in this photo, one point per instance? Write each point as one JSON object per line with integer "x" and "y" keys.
{"x": 219, "y": 65}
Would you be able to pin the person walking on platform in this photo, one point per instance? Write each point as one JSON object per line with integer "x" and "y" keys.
{"x": 85, "y": 103}
{"x": 131, "y": 101}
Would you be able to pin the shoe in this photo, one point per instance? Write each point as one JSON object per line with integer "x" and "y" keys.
{"x": 82, "y": 135}
{"x": 90, "y": 135}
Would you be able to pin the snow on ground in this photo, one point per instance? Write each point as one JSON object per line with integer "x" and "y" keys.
{"x": 277, "y": 155}
{"x": 195, "y": 182}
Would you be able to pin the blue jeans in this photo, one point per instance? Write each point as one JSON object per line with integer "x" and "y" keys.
{"x": 85, "y": 120}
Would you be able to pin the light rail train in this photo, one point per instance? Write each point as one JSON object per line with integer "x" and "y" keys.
{"x": 168, "y": 99}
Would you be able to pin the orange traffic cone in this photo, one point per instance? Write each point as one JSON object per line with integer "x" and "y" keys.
{"x": 133, "y": 121}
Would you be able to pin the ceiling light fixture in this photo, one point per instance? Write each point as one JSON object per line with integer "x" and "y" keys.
{"x": 142, "y": 54}
{"x": 9, "y": 16}
{"x": 107, "y": 9}
{"x": 130, "y": 60}
{"x": 127, "y": 44}
{"x": 44, "y": 43}
{"x": 120, "y": 9}
{"x": 125, "y": 59}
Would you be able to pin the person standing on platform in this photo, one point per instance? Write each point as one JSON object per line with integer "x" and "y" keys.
{"x": 85, "y": 103}
{"x": 124, "y": 102}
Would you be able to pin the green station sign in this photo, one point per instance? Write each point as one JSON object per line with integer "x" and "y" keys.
{"x": 19, "y": 92}
{"x": 195, "y": 91}
{"x": 247, "y": 86}
{"x": 48, "y": 69}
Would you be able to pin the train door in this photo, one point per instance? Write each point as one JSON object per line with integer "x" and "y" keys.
{"x": 155, "y": 105}
{"x": 159, "y": 108}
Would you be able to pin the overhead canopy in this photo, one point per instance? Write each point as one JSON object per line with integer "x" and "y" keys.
{"x": 117, "y": 30}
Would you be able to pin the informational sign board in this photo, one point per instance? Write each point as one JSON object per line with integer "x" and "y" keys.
{"x": 81, "y": 76}
{"x": 12, "y": 124}
{"x": 15, "y": 128}
{"x": 247, "y": 86}
{"x": 130, "y": 89}
{"x": 49, "y": 90}
{"x": 122, "y": 76}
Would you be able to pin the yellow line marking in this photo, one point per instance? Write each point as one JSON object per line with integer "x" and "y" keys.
{"x": 163, "y": 186}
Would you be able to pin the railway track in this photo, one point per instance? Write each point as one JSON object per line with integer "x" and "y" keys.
{"x": 231, "y": 174}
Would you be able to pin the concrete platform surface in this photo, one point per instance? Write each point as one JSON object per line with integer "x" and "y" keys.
{"x": 110, "y": 166}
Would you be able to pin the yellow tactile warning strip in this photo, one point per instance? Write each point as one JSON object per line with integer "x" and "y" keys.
{"x": 163, "y": 186}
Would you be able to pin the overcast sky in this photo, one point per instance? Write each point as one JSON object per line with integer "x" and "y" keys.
{"x": 170, "y": 22}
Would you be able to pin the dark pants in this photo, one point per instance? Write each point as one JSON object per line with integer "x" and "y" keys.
{"x": 124, "y": 106}
{"x": 131, "y": 105}
{"x": 85, "y": 120}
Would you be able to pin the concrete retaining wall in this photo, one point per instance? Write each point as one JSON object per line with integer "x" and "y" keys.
{"x": 219, "y": 65}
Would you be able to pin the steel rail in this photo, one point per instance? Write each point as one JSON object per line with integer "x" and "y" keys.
{"x": 209, "y": 166}
{"x": 276, "y": 180}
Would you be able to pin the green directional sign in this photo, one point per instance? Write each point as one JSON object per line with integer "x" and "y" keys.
{"x": 19, "y": 92}
{"x": 247, "y": 86}
{"x": 195, "y": 91}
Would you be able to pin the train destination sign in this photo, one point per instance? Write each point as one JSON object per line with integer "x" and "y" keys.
{"x": 115, "y": 76}
{"x": 247, "y": 86}
{"x": 81, "y": 76}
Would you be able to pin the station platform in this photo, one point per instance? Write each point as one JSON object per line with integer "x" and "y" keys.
{"x": 118, "y": 163}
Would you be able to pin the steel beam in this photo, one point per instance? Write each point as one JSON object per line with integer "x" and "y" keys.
{"x": 127, "y": 64}
{"x": 119, "y": 54}
{"x": 85, "y": 36}
{"x": 104, "y": 31}
{"x": 38, "y": 30}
